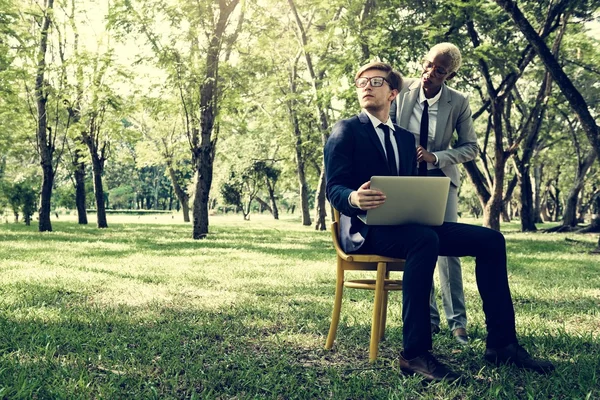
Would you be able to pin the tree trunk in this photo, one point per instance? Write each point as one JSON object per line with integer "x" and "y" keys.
{"x": 507, "y": 212}
{"x": 493, "y": 209}
{"x": 528, "y": 217}
{"x": 97, "y": 168}
{"x": 299, "y": 153}
{"x": 204, "y": 170}
{"x": 321, "y": 212}
{"x": 263, "y": 204}
{"x": 45, "y": 139}
{"x": 273, "y": 208}
{"x": 537, "y": 212}
{"x": 478, "y": 180}
{"x": 182, "y": 196}
{"x": 572, "y": 201}
{"x": 80, "y": 200}
{"x": 156, "y": 184}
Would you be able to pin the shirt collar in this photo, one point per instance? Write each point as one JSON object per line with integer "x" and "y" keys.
{"x": 375, "y": 121}
{"x": 431, "y": 101}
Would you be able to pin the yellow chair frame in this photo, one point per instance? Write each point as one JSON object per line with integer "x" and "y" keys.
{"x": 381, "y": 285}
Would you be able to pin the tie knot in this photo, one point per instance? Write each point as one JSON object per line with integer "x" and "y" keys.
{"x": 425, "y": 105}
{"x": 384, "y": 128}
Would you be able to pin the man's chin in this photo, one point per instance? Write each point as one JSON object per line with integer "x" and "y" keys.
{"x": 372, "y": 109}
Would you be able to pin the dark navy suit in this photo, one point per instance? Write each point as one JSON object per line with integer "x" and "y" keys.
{"x": 353, "y": 154}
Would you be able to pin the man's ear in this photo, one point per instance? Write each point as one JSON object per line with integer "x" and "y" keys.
{"x": 452, "y": 75}
{"x": 394, "y": 93}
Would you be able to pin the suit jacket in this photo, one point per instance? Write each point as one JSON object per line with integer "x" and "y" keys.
{"x": 454, "y": 113}
{"x": 353, "y": 154}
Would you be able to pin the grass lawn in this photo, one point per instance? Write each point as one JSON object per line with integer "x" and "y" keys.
{"x": 142, "y": 311}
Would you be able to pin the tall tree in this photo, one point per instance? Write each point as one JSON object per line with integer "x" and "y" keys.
{"x": 192, "y": 59}
{"x": 573, "y": 96}
{"x": 163, "y": 143}
{"x": 46, "y": 139}
{"x": 316, "y": 80}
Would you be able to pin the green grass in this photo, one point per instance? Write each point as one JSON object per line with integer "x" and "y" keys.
{"x": 142, "y": 311}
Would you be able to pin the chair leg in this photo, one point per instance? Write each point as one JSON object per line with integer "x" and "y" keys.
{"x": 383, "y": 319}
{"x": 337, "y": 306}
{"x": 384, "y": 307}
{"x": 379, "y": 283}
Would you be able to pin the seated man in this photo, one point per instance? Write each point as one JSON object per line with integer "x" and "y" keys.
{"x": 361, "y": 147}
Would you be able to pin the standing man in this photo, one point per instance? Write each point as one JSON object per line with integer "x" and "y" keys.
{"x": 433, "y": 112}
{"x": 369, "y": 144}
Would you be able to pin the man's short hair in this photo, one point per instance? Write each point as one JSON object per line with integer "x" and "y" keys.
{"x": 392, "y": 77}
{"x": 450, "y": 51}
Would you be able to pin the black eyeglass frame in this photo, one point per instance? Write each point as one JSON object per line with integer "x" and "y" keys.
{"x": 370, "y": 80}
{"x": 439, "y": 71}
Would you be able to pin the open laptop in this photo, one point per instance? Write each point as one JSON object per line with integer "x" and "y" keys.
{"x": 409, "y": 200}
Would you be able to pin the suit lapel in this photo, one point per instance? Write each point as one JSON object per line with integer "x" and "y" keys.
{"x": 444, "y": 108}
{"x": 371, "y": 134}
{"x": 408, "y": 102}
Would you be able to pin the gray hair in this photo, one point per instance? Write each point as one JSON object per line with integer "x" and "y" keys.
{"x": 450, "y": 51}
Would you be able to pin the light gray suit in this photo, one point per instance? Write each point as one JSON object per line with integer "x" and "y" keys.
{"x": 454, "y": 114}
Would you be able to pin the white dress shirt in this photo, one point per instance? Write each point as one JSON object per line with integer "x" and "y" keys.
{"x": 376, "y": 122}
{"x": 414, "y": 123}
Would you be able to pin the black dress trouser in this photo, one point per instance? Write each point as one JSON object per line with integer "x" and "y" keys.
{"x": 420, "y": 246}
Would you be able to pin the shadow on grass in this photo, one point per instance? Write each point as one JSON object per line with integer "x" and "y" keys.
{"x": 56, "y": 345}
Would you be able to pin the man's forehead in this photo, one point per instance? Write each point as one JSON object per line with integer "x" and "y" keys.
{"x": 372, "y": 72}
{"x": 444, "y": 58}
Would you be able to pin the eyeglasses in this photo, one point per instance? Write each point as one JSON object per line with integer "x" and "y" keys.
{"x": 376, "y": 81}
{"x": 440, "y": 71}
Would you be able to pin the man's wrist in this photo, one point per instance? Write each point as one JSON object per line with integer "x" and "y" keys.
{"x": 350, "y": 201}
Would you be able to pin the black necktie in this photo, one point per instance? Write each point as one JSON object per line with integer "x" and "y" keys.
{"x": 423, "y": 135}
{"x": 389, "y": 150}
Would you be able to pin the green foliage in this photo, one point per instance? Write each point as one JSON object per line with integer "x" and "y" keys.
{"x": 144, "y": 65}
{"x": 232, "y": 193}
{"x": 122, "y": 197}
{"x": 22, "y": 199}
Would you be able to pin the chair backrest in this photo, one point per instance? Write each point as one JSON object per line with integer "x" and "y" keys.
{"x": 335, "y": 232}
{"x": 336, "y": 215}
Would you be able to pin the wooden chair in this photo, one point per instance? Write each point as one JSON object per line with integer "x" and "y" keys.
{"x": 381, "y": 284}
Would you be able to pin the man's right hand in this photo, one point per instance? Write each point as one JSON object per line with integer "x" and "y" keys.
{"x": 366, "y": 198}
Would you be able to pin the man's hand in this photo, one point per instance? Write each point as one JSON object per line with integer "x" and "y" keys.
{"x": 424, "y": 155}
{"x": 366, "y": 198}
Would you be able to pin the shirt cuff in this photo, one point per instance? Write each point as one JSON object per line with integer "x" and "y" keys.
{"x": 437, "y": 160}
{"x": 350, "y": 203}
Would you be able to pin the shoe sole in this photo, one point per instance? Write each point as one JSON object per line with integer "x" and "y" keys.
{"x": 499, "y": 363}
{"x": 430, "y": 380}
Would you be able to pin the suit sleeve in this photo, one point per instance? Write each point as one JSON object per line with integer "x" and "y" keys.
{"x": 338, "y": 154}
{"x": 466, "y": 148}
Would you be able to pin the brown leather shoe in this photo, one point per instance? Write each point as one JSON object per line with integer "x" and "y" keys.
{"x": 429, "y": 368}
{"x": 517, "y": 355}
{"x": 460, "y": 335}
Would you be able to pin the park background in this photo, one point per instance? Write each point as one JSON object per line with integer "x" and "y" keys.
{"x": 172, "y": 152}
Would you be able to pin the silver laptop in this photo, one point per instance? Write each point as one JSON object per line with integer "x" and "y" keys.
{"x": 409, "y": 200}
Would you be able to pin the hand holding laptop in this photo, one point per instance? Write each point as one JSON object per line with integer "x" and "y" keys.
{"x": 367, "y": 198}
